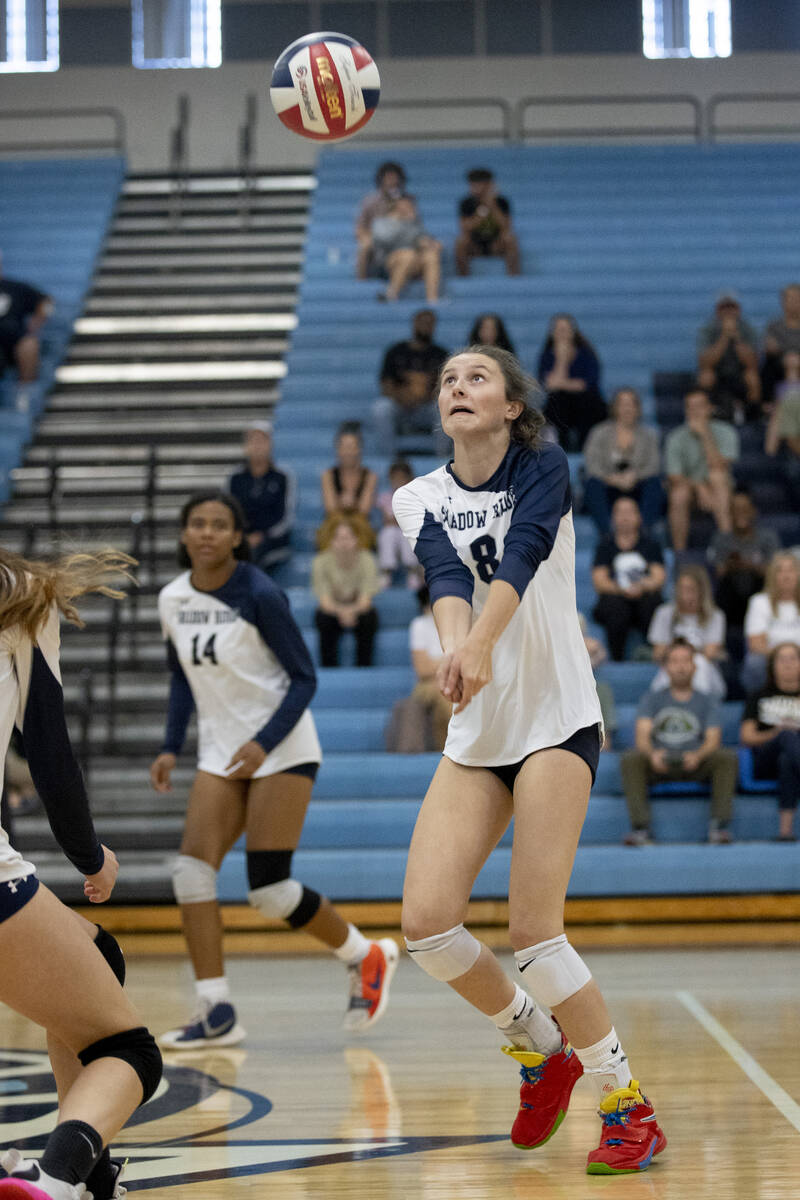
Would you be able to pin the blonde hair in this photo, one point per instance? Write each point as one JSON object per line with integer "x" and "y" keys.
{"x": 705, "y": 600}
{"x": 770, "y": 584}
{"x": 29, "y": 587}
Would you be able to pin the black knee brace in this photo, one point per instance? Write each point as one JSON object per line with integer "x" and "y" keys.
{"x": 137, "y": 1048}
{"x": 268, "y": 867}
{"x": 111, "y": 951}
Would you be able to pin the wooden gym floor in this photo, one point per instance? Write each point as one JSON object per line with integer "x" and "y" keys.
{"x": 420, "y": 1108}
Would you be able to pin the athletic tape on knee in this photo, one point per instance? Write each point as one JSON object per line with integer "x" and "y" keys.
{"x": 193, "y": 880}
{"x": 445, "y": 956}
{"x": 137, "y": 1048}
{"x": 553, "y": 970}
{"x": 111, "y": 951}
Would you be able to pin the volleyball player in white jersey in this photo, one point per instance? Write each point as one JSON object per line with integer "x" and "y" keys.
{"x": 493, "y": 531}
{"x": 57, "y": 969}
{"x": 237, "y": 655}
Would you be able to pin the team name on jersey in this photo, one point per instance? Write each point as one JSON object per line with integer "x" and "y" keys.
{"x": 476, "y": 518}
{"x": 201, "y": 616}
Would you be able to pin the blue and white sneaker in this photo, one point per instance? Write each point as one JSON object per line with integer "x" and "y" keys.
{"x": 212, "y": 1025}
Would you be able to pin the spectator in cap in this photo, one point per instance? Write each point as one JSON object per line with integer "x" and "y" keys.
{"x": 267, "y": 494}
{"x": 727, "y": 357}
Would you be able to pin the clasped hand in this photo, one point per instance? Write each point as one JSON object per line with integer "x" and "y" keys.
{"x": 463, "y": 672}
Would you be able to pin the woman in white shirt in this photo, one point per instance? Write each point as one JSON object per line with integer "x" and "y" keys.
{"x": 773, "y": 616}
{"x": 691, "y": 615}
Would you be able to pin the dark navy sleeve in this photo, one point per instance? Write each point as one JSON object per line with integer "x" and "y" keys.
{"x": 180, "y": 706}
{"x": 542, "y": 498}
{"x": 585, "y": 366}
{"x": 445, "y": 573}
{"x": 55, "y": 771}
{"x": 281, "y": 633}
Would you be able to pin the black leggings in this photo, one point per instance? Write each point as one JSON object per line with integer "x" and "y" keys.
{"x": 331, "y": 630}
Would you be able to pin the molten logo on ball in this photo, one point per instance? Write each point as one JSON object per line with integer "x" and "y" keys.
{"x": 325, "y": 86}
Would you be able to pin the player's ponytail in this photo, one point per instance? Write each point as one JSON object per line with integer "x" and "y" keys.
{"x": 29, "y": 587}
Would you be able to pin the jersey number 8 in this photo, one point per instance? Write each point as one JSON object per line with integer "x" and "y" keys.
{"x": 484, "y": 551}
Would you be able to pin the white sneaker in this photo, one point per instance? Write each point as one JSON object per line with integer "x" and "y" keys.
{"x": 27, "y": 1181}
{"x": 369, "y": 983}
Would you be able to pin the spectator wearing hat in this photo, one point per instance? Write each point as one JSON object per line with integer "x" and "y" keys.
{"x": 485, "y": 225}
{"x": 267, "y": 494}
{"x": 727, "y": 357}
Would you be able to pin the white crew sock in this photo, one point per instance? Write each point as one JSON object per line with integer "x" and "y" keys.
{"x": 213, "y": 991}
{"x": 605, "y": 1065}
{"x": 526, "y": 1026}
{"x": 355, "y": 948}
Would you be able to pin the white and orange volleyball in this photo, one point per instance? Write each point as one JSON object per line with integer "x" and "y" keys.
{"x": 325, "y": 86}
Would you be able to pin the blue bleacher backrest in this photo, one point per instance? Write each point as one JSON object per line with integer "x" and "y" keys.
{"x": 747, "y": 777}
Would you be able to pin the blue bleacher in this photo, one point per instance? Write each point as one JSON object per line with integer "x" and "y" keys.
{"x": 53, "y": 219}
{"x": 614, "y": 235}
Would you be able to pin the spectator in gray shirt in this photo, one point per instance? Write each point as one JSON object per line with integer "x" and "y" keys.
{"x": 621, "y": 458}
{"x": 697, "y": 461}
{"x": 678, "y": 738}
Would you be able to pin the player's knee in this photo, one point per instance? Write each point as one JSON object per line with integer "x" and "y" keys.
{"x": 137, "y": 1048}
{"x": 273, "y": 891}
{"x": 194, "y": 881}
{"x": 111, "y": 951}
{"x": 553, "y": 970}
{"x": 447, "y": 955}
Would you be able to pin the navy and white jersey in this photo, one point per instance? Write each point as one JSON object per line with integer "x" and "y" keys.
{"x": 237, "y": 655}
{"x": 518, "y": 527}
{"x": 32, "y": 699}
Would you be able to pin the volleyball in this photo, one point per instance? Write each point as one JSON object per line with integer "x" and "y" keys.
{"x": 325, "y": 86}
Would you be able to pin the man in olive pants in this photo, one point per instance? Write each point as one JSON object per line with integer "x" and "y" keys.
{"x": 678, "y": 738}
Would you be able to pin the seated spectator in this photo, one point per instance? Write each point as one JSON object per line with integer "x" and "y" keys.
{"x": 485, "y": 225}
{"x": 621, "y": 458}
{"x": 782, "y": 336}
{"x": 489, "y": 330}
{"x": 390, "y": 184}
{"x": 394, "y": 552}
{"x": 783, "y": 430}
{"x": 739, "y": 560}
{"x": 407, "y": 405}
{"x": 693, "y": 617}
{"x": 628, "y": 575}
{"x": 23, "y": 311}
{"x": 344, "y": 579}
{"x": 605, "y": 693}
{"x": 772, "y": 617}
{"x": 727, "y": 356}
{"x": 267, "y": 494}
{"x": 697, "y": 459}
{"x": 348, "y": 488}
{"x": 678, "y": 738}
{"x": 569, "y": 372}
{"x": 426, "y": 654}
{"x": 402, "y": 250}
{"x": 771, "y": 728}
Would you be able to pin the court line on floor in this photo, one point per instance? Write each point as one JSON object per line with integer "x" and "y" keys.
{"x": 773, "y": 1091}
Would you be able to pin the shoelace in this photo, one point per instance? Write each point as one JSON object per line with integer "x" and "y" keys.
{"x": 532, "y": 1074}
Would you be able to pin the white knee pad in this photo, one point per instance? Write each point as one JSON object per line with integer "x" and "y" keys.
{"x": 277, "y": 900}
{"x": 193, "y": 880}
{"x": 445, "y": 956}
{"x": 553, "y": 970}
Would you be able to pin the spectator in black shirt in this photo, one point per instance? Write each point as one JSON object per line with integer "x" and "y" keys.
{"x": 771, "y": 728}
{"x": 628, "y": 575}
{"x": 267, "y": 495}
{"x": 485, "y": 221}
{"x": 23, "y": 310}
{"x": 406, "y": 408}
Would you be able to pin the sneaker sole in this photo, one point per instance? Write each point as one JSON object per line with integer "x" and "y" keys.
{"x": 600, "y": 1168}
{"x": 171, "y": 1040}
{"x": 536, "y": 1145}
{"x": 392, "y": 955}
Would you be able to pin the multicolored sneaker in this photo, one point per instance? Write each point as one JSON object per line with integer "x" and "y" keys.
{"x": 369, "y": 983}
{"x": 630, "y": 1134}
{"x": 27, "y": 1181}
{"x": 212, "y": 1025}
{"x": 547, "y": 1084}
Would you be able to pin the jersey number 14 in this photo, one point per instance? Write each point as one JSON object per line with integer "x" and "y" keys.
{"x": 208, "y": 652}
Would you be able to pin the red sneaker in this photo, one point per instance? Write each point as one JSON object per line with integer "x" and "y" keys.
{"x": 547, "y": 1084}
{"x": 630, "y": 1134}
{"x": 369, "y": 984}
